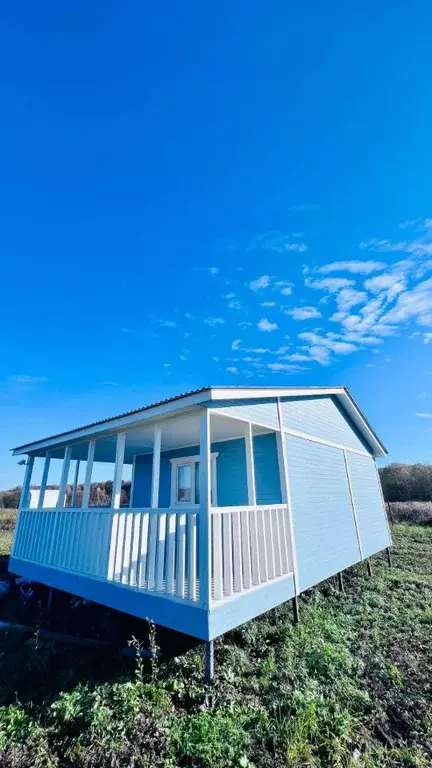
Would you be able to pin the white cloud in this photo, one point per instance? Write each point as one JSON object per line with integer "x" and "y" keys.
{"x": 231, "y": 369}
{"x": 320, "y": 354}
{"x": 244, "y": 324}
{"x": 213, "y": 270}
{"x": 183, "y": 357}
{"x": 427, "y": 338}
{"x": 167, "y": 365}
{"x": 356, "y": 267}
{"x": 216, "y": 359}
{"x": 265, "y": 325}
{"x": 214, "y": 321}
{"x": 414, "y": 304}
{"x": 287, "y": 291}
{"x": 260, "y": 282}
{"x": 391, "y": 281}
{"x": 229, "y": 295}
{"x": 299, "y": 247}
{"x": 424, "y": 415}
{"x": 331, "y": 284}
{"x": 285, "y": 367}
{"x": 234, "y": 304}
{"x": 268, "y": 304}
{"x": 168, "y": 323}
{"x": 236, "y": 344}
{"x": 348, "y": 298}
{"x": 303, "y": 313}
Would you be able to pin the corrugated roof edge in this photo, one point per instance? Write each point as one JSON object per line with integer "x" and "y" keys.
{"x": 165, "y": 401}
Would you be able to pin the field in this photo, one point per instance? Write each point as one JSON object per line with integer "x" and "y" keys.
{"x": 349, "y": 687}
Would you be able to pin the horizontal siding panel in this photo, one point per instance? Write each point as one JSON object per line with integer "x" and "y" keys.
{"x": 371, "y": 515}
{"x": 264, "y": 412}
{"x": 324, "y": 528}
{"x": 322, "y": 417}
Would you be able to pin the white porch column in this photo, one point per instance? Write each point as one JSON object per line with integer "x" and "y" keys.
{"x": 75, "y": 484}
{"x": 204, "y": 516}
{"x": 64, "y": 476}
{"x": 24, "y": 501}
{"x": 118, "y": 471}
{"x": 157, "y": 443}
{"x": 250, "y": 466}
{"x": 44, "y": 480}
{"x": 88, "y": 474}
{"x": 286, "y": 495}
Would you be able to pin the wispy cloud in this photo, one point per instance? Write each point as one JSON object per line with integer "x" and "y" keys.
{"x": 236, "y": 344}
{"x": 303, "y": 313}
{"x": 330, "y": 284}
{"x": 260, "y": 282}
{"x": 427, "y": 338}
{"x": 268, "y": 304}
{"x": 232, "y": 369}
{"x": 265, "y": 325}
{"x": 213, "y": 322}
{"x": 355, "y": 267}
{"x": 424, "y": 415}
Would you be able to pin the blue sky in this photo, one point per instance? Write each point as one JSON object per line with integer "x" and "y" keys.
{"x": 232, "y": 194}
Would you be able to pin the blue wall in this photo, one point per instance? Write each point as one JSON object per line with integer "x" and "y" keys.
{"x": 324, "y": 528}
{"x": 371, "y": 515}
{"x": 322, "y": 417}
{"x": 230, "y": 470}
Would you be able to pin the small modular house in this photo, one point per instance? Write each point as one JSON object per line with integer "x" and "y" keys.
{"x": 241, "y": 498}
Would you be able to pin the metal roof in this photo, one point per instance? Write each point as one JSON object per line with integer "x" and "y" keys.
{"x": 343, "y": 391}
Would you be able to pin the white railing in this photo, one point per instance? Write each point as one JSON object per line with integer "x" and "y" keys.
{"x": 250, "y": 546}
{"x": 157, "y": 549}
{"x": 154, "y": 550}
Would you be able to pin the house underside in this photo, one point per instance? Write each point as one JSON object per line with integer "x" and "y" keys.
{"x": 240, "y": 500}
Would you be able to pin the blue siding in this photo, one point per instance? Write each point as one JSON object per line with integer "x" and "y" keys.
{"x": 322, "y": 417}
{"x": 324, "y": 528}
{"x": 264, "y": 412}
{"x": 371, "y": 515}
{"x": 230, "y": 471}
{"x": 246, "y": 606}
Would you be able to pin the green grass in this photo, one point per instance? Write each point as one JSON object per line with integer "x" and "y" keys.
{"x": 350, "y": 687}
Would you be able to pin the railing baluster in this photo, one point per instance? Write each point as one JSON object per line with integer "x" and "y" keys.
{"x": 237, "y": 559}
{"x": 127, "y": 548}
{"x": 152, "y": 549}
{"x": 218, "y": 586}
{"x": 171, "y": 540}
{"x": 262, "y": 546}
{"x": 136, "y": 531}
{"x": 276, "y": 542}
{"x": 253, "y": 532}
{"x": 227, "y": 554}
{"x": 283, "y": 540}
{"x": 142, "y": 559}
{"x": 191, "y": 555}
{"x": 160, "y": 564}
{"x": 180, "y": 554}
{"x": 268, "y": 532}
{"x": 245, "y": 547}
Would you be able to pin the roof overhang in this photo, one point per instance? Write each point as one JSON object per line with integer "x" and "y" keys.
{"x": 201, "y": 397}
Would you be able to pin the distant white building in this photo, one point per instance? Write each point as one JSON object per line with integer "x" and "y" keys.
{"x": 50, "y": 498}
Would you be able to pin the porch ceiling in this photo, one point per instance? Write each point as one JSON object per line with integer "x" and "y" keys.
{"x": 178, "y": 432}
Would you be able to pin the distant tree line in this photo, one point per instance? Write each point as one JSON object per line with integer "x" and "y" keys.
{"x": 407, "y": 482}
{"x": 100, "y": 494}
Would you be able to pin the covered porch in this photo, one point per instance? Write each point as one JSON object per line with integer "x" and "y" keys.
{"x": 180, "y": 544}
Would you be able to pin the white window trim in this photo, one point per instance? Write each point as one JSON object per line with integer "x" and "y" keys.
{"x": 193, "y": 460}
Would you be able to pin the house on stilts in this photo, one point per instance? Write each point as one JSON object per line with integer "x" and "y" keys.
{"x": 241, "y": 498}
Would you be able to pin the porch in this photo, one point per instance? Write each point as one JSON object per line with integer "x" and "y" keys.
{"x": 193, "y": 565}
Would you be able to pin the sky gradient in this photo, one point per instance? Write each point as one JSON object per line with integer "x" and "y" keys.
{"x": 232, "y": 194}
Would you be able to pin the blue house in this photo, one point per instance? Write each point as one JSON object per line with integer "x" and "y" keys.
{"x": 241, "y": 499}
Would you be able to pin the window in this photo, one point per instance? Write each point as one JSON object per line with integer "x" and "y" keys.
{"x": 185, "y": 480}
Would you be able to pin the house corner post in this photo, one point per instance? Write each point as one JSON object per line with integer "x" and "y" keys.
{"x": 204, "y": 533}
{"x": 25, "y": 491}
{"x": 286, "y": 499}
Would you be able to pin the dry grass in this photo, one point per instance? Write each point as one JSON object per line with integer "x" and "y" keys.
{"x": 8, "y": 519}
{"x": 409, "y": 511}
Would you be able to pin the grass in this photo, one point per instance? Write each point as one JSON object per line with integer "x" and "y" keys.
{"x": 350, "y": 687}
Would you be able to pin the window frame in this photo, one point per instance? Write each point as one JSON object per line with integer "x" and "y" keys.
{"x": 193, "y": 461}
